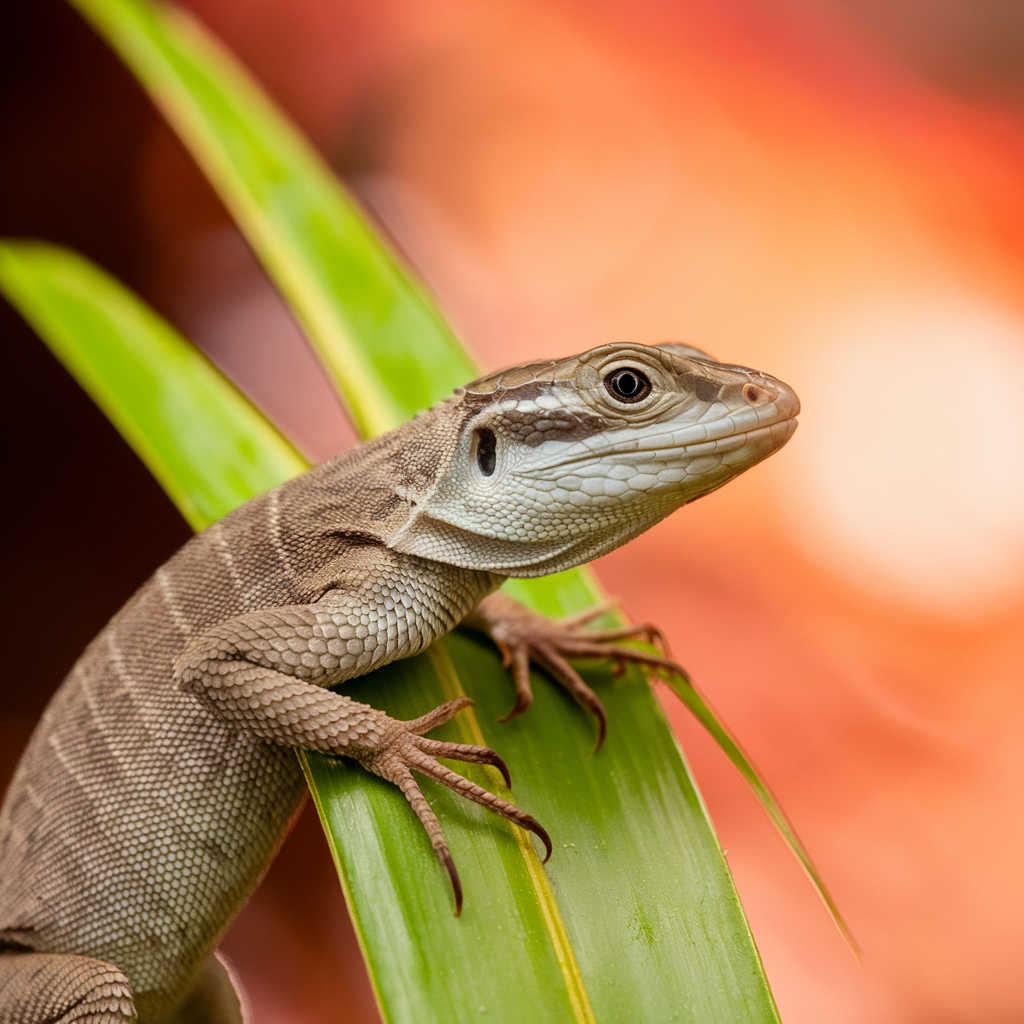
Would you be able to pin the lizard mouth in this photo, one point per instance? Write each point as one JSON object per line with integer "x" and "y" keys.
{"x": 693, "y": 440}
{"x": 777, "y": 433}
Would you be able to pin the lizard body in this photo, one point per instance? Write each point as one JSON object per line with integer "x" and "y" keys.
{"x": 159, "y": 782}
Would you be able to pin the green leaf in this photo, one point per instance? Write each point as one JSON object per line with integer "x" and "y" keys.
{"x": 636, "y": 917}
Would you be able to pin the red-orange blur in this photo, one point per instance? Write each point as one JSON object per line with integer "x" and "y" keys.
{"x": 765, "y": 181}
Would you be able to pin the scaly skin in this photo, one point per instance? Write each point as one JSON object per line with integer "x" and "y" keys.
{"x": 160, "y": 781}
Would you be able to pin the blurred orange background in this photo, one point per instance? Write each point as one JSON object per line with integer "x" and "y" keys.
{"x": 828, "y": 190}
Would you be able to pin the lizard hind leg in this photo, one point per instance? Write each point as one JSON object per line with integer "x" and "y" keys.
{"x": 397, "y": 762}
{"x": 60, "y": 988}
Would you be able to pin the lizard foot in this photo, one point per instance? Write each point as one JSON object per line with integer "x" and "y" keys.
{"x": 525, "y": 636}
{"x": 407, "y": 750}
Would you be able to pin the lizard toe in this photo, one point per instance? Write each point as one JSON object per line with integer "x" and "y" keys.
{"x": 406, "y": 751}
{"x": 465, "y": 752}
{"x": 438, "y": 716}
{"x": 426, "y": 765}
{"x": 550, "y": 654}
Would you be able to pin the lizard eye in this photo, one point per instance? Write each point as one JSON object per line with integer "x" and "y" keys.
{"x": 628, "y": 385}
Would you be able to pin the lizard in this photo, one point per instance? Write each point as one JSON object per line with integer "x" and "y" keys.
{"x": 162, "y": 778}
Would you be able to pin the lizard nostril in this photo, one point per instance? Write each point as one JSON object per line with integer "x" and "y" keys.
{"x": 753, "y": 394}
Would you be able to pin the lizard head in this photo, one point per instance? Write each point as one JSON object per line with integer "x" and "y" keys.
{"x": 559, "y": 462}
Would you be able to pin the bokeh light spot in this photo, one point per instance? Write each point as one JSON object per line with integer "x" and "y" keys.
{"x": 908, "y": 473}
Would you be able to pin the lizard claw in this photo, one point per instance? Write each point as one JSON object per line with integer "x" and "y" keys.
{"x": 523, "y": 636}
{"x": 408, "y": 751}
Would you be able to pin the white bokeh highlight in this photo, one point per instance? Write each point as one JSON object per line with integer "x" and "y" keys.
{"x": 907, "y": 474}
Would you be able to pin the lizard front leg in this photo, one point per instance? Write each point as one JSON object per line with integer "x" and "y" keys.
{"x": 525, "y": 636}
{"x": 266, "y": 672}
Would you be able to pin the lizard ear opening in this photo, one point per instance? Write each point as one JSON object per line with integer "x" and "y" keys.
{"x": 486, "y": 450}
